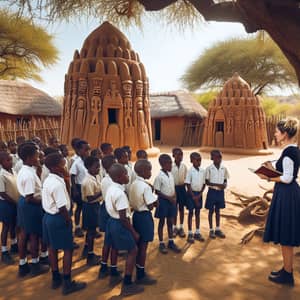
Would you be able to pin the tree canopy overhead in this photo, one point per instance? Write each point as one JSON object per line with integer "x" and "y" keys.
{"x": 260, "y": 62}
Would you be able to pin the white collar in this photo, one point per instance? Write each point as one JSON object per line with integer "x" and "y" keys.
{"x": 56, "y": 177}
{"x": 120, "y": 186}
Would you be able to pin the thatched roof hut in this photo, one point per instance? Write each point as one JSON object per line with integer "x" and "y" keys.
{"x": 177, "y": 118}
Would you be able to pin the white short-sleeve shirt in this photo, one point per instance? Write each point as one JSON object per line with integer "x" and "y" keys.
{"x": 165, "y": 183}
{"x": 179, "y": 173}
{"x": 131, "y": 175}
{"x": 28, "y": 182}
{"x": 45, "y": 173}
{"x": 8, "y": 184}
{"x": 140, "y": 195}
{"x": 54, "y": 194}
{"x": 196, "y": 178}
{"x": 18, "y": 166}
{"x": 106, "y": 182}
{"x": 215, "y": 175}
{"x": 79, "y": 170}
{"x": 91, "y": 186}
{"x": 116, "y": 200}
{"x": 15, "y": 159}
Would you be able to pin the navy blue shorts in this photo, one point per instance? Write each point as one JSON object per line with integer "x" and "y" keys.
{"x": 90, "y": 215}
{"x": 191, "y": 205}
{"x": 181, "y": 195}
{"x": 8, "y": 212}
{"x": 143, "y": 224}
{"x": 77, "y": 199}
{"x": 117, "y": 236}
{"x": 103, "y": 217}
{"x": 165, "y": 209}
{"x": 29, "y": 217}
{"x": 56, "y": 234}
{"x": 215, "y": 199}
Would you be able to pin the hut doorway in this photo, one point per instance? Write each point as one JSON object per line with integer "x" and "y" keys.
{"x": 157, "y": 130}
{"x": 219, "y": 135}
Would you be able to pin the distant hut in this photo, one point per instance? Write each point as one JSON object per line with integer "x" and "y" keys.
{"x": 27, "y": 111}
{"x": 177, "y": 119}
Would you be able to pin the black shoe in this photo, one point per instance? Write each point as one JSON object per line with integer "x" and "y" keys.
{"x": 24, "y": 270}
{"x": 276, "y": 273}
{"x": 7, "y": 259}
{"x": 85, "y": 252}
{"x": 162, "y": 248}
{"x": 38, "y": 269}
{"x": 174, "y": 247}
{"x": 103, "y": 273}
{"x": 146, "y": 280}
{"x": 79, "y": 232}
{"x": 72, "y": 286}
{"x": 220, "y": 234}
{"x": 56, "y": 283}
{"x": 212, "y": 234}
{"x": 190, "y": 238}
{"x": 93, "y": 260}
{"x": 199, "y": 237}
{"x": 283, "y": 278}
{"x": 14, "y": 249}
{"x": 131, "y": 289}
{"x": 181, "y": 233}
{"x": 75, "y": 246}
{"x": 44, "y": 260}
{"x": 115, "y": 279}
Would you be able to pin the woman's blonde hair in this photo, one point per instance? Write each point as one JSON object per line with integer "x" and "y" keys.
{"x": 289, "y": 125}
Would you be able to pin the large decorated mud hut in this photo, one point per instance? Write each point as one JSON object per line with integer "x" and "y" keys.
{"x": 106, "y": 97}
{"x": 27, "y": 111}
{"x": 236, "y": 121}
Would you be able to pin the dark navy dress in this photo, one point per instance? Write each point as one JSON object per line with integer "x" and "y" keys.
{"x": 283, "y": 222}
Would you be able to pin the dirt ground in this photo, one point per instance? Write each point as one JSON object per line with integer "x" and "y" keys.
{"x": 215, "y": 269}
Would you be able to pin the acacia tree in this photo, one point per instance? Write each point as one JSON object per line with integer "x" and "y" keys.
{"x": 279, "y": 18}
{"x": 259, "y": 62}
{"x": 24, "y": 48}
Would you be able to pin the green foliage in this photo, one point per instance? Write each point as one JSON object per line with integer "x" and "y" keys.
{"x": 25, "y": 48}
{"x": 205, "y": 98}
{"x": 260, "y": 62}
{"x": 272, "y": 107}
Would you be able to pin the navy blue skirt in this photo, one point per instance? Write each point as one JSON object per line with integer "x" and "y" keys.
{"x": 143, "y": 224}
{"x": 283, "y": 222}
{"x": 191, "y": 205}
{"x": 90, "y": 215}
{"x": 103, "y": 217}
{"x": 117, "y": 236}
{"x": 56, "y": 234}
{"x": 29, "y": 217}
{"x": 215, "y": 199}
{"x": 8, "y": 212}
{"x": 181, "y": 195}
{"x": 165, "y": 209}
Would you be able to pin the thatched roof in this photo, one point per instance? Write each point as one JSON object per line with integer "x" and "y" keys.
{"x": 175, "y": 104}
{"x": 19, "y": 98}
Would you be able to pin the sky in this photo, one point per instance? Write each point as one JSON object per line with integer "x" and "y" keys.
{"x": 165, "y": 51}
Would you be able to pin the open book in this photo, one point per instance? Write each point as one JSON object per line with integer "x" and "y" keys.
{"x": 271, "y": 173}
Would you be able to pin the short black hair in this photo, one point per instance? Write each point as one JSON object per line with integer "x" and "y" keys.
{"x": 195, "y": 155}
{"x": 80, "y": 144}
{"x": 116, "y": 170}
{"x": 62, "y": 146}
{"x": 90, "y": 161}
{"x": 176, "y": 150}
{"x": 74, "y": 142}
{"x": 49, "y": 150}
{"x": 141, "y": 165}
{"x": 105, "y": 146}
{"x": 53, "y": 159}
{"x": 163, "y": 158}
{"x": 127, "y": 148}
{"x": 108, "y": 161}
{"x": 141, "y": 154}
{"x": 27, "y": 150}
{"x": 119, "y": 152}
{"x": 215, "y": 152}
{"x": 94, "y": 152}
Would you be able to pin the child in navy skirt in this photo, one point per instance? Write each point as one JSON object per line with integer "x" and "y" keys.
{"x": 8, "y": 210}
{"x": 283, "y": 222}
{"x": 164, "y": 187}
{"x": 91, "y": 195}
{"x": 141, "y": 199}
{"x": 57, "y": 224}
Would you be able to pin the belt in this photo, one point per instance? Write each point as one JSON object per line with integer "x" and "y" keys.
{"x": 215, "y": 188}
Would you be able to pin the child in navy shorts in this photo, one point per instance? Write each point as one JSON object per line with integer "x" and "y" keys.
{"x": 164, "y": 187}
{"x": 195, "y": 181}
{"x": 141, "y": 200}
{"x": 216, "y": 179}
{"x": 57, "y": 224}
{"x": 91, "y": 196}
{"x": 8, "y": 210}
{"x": 119, "y": 232}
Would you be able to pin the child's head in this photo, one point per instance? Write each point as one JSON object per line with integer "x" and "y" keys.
{"x": 122, "y": 156}
{"x": 55, "y": 162}
{"x": 6, "y": 160}
{"x": 12, "y": 147}
{"x": 107, "y": 149}
{"x": 74, "y": 142}
{"x": 177, "y": 154}
{"x": 165, "y": 162}
{"x": 20, "y": 140}
{"x": 92, "y": 164}
{"x": 3, "y": 146}
{"x": 141, "y": 154}
{"x": 216, "y": 156}
{"x": 118, "y": 174}
{"x": 36, "y": 140}
{"x": 108, "y": 161}
{"x": 143, "y": 168}
{"x": 64, "y": 150}
{"x": 29, "y": 153}
{"x": 195, "y": 159}
{"x": 53, "y": 142}
{"x": 83, "y": 149}
{"x": 50, "y": 150}
{"x": 129, "y": 151}
{"x": 96, "y": 153}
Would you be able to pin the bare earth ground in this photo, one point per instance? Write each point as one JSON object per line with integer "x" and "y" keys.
{"x": 217, "y": 269}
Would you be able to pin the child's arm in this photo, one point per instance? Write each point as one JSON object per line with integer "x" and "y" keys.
{"x": 189, "y": 189}
{"x": 6, "y": 197}
{"x": 93, "y": 197}
{"x": 31, "y": 199}
{"x": 64, "y": 212}
{"x": 221, "y": 186}
{"x": 125, "y": 222}
{"x": 73, "y": 186}
{"x": 172, "y": 199}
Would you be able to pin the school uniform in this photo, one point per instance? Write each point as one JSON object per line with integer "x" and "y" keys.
{"x": 140, "y": 196}
{"x": 106, "y": 182}
{"x": 116, "y": 235}
{"x": 215, "y": 196}
{"x": 283, "y": 222}
{"x": 164, "y": 182}
{"x": 91, "y": 185}
{"x": 15, "y": 159}
{"x": 131, "y": 175}
{"x": 196, "y": 179}
{"x": 79, "y": 170}
{"x": 8, "y": 185}
{"x": 45, "y": 173}
{"x": 29, "y": 214}
{"x": 18, "y": 166}
{"x": 179, "y": 174}
{"x": 56, "y": 233}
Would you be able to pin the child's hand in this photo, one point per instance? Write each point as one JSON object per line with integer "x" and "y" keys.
{"x": 173, "y": 199}
{"x": 136, "y": 236}
{"x": 68, "y": 222}
{"x": 262, "y": 176}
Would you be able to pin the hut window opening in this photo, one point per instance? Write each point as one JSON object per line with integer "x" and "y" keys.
{"x": 220, "y": 126}
{"x": 157, "y": 126}
{"x": 112, "y": 116}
